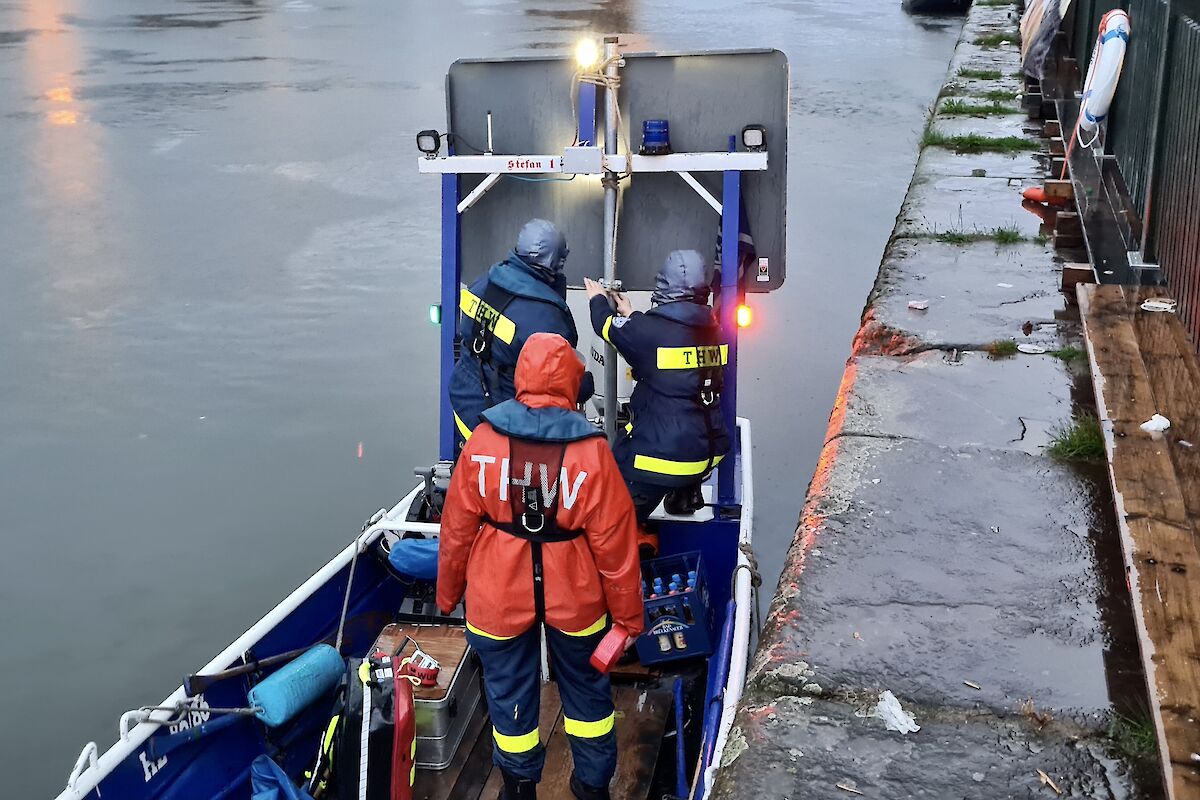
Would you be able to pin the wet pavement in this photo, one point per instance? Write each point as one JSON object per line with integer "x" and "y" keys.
{"x": 942, "y": 555}
{"x": 218, "y": 259}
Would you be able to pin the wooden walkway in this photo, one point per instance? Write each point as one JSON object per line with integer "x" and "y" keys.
{"x": 1143, "y": 364}
{"x": 641, "y": 721}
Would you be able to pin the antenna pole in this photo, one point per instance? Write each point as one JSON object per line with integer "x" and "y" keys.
{"x": 610, "y": 223}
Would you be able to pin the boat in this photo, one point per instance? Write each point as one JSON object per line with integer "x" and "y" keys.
{"x": 677, "y": 698}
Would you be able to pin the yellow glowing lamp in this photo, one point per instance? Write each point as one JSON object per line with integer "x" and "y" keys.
{"x": 744, "y": 316}
{"x": 587, "y": 54}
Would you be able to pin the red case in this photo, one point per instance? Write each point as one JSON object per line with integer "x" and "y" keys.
{"x": 610, "y": 649}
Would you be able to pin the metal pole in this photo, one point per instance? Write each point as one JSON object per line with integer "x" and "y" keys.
{"x": 610, "y": 223}
{"x": 451, "y": 276}
{"x": 731, "y": 202}
{"x": 1160, "y": 110}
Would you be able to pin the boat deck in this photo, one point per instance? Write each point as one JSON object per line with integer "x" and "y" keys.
{"x": 641, "y": 720}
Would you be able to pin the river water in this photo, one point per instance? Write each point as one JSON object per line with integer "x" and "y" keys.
{"x": 217, "y": 259}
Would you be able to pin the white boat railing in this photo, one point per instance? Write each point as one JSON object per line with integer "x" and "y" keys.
{"x": 743, "y": 595}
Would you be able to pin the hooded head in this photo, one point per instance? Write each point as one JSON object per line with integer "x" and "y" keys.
{"x": 548, "y": 372}
{"x": 684, "y": 276}
{"x": 543, "y": 247}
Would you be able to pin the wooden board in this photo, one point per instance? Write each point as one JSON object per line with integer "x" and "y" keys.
{"x": 641, "y": 720}
{"x": 1142, "y": 364}
{"x": 549, "y": 718}
{"x": 446, "y": 643}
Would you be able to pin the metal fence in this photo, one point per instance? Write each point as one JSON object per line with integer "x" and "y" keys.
{"x": 1154, "y": 132}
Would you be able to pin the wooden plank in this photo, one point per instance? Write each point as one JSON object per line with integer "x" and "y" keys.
{"x": 1052, "y": 128}
{"x": 1060, "y": 188}
{"x": 1074, "y": 274}
{"x": 641, "y": 722}
{"x": 1141, "y": 365}
{"x": 1057, "y": 147}
{"x": 641, "y": 719}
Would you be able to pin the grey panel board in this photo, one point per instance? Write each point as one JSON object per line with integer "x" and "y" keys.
{"x": 706, "y": 97}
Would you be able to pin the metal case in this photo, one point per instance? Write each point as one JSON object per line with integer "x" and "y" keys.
{"x": 443, "y": 712}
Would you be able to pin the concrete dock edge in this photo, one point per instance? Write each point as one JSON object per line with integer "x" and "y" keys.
{"x": 941, "y": 555}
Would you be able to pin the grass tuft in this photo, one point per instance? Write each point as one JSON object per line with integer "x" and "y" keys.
{"x": 974, "y": 143}
{"x": 1040, "y": 239}
{"x": 1007, "y": 236}
{"x": 1081, "y": 440}
{"x": 997, "y": 39}
{"x": 965, "y": 108}
{"x": 1070, "y": 354}
{"x": 1002, "y": 348}
{"x": 1133, "y": 736}
{"x": 980, "y": 74}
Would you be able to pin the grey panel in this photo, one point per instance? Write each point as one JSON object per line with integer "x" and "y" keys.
{"x": 706, "y": 97}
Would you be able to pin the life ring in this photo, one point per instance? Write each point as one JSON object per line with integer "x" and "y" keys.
{"x": 1104, "y": 71}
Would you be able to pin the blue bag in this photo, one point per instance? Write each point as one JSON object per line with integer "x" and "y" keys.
{"x": 268, "y": 781}
{"x": 417, "y": 558}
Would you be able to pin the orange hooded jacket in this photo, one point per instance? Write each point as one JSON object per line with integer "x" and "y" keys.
{"x": 586, "y": 578}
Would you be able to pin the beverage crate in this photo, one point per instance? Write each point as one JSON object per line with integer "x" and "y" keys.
{"x": 677, "y": 625}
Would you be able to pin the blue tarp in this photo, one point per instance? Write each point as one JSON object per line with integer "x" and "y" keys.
{"x": 417, "y": 558}
{"x": 268, "y": 781}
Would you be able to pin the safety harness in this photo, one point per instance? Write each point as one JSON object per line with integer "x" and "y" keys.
{"x": 712, "y": 380}
{"x": 533, "y": 493}
{"x": 491, "y": 308}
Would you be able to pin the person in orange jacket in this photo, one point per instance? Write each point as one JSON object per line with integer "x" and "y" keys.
{"x": 539, "y": 530}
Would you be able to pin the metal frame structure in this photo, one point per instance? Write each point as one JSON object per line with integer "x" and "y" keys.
{"x": 731, "y": 164}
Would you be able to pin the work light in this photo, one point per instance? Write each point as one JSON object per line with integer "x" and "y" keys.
{"x": 429, "y": 143}
{"x": 754, "y": 137}
{"x": 586, "y": 53}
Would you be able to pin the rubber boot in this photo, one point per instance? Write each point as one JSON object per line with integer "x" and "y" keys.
{"x": 517, "y": 788}
{"x": 584, "y": 792}
{"x": 685, "y": 501}
{"x": 647, "y": 543}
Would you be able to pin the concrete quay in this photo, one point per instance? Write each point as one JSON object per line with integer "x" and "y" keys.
{"x": 941, "y": 554}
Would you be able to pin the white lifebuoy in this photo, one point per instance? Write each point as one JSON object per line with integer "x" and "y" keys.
{"x": 1104, "y": 71}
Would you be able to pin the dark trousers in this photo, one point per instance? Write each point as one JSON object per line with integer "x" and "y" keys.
{"x": 646, "y": 497}
{"x": 512, "y": 684}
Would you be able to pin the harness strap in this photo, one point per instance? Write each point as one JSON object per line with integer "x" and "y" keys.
{"x": 491, "y": 307}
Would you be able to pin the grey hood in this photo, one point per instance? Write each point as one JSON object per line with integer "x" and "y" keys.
{"x": 543, "y": 247}
{"x": 684, "y": 276}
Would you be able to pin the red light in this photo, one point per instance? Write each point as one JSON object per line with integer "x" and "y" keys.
{"x": 744, "y": 316}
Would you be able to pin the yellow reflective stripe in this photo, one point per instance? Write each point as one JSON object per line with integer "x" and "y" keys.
{"x": 327, "y": 742}
{"x": 487, "y": 635}
{"x": 504, "y": 328}
{"x": 516, "y": 744}
{"x": 692, "y": 357}
{"x": 364, "y": 672}
{"x": 588, "y": 730}
{"x": 463, "y": 430}
{"x": 665, "y": 466}
{"x": 595, "y": 627}
{"x": 607, "y": 327}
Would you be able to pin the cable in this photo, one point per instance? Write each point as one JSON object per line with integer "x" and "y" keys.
{"x": 453, "y": 135}
{"x": 540, "y": 180}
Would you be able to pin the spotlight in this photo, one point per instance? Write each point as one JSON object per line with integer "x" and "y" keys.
{"x": 587, "y": 54}
{"x": 754, "y": 137}
{"x": 744, "y": 316}
{"x": 429, "y": 143}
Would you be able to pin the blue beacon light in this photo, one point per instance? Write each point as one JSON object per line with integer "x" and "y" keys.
{"x": 656, "y": 137}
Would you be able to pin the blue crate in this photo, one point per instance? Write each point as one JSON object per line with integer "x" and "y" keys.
{"x": 677, "y": 625}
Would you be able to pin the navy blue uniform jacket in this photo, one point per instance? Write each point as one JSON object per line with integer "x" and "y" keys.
{"x": 535, "y": 308}
{"x": 676, "y": 432}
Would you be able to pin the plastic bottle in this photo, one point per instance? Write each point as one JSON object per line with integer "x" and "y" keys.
{"x": 658, "y": 586}
{"x": 691, "y": 581}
